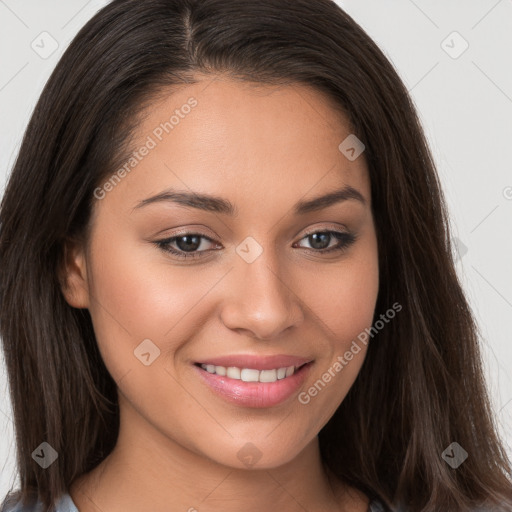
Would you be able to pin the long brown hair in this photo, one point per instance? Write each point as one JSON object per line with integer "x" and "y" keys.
{"x": 421, "y": 386}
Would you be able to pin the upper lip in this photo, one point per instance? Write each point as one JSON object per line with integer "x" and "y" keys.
{"x": 256, "y": 362}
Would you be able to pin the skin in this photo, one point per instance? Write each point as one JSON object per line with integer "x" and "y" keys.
{"x": 263, "y": 148}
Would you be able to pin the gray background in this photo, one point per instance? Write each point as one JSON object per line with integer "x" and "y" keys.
{"x": 464, "y": 99}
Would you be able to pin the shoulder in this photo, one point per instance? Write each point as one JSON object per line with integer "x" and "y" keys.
{"x": 376, "y": 506}
{"x": 64, "y": 504}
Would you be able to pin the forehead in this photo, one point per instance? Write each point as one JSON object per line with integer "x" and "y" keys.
{"x": 254, "y": 143}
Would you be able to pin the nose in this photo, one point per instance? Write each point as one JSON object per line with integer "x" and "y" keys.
{"x": 260, "y": 301}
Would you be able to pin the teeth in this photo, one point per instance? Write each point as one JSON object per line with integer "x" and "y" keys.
{"x": 267, "y": 376}
{"x": 220, "y": 370}
{"x": 249, "y": 374}
{"x": 233, "y": 373}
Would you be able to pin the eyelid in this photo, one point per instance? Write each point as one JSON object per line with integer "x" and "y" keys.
{"x": 190, "y": 230}
{"x": 331, "y": 227}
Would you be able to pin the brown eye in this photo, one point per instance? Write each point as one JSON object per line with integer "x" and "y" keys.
{"x": 186, "y": 245}
{"x": 320, "y": 241}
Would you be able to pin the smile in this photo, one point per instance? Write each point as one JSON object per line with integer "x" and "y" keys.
{"x": 250, "y": 374}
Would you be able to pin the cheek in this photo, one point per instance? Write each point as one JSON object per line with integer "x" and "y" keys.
{"x": 134, "y": 297}
{"x": 352, "y": 304}
{"x": 343, "y": 299}
{"x": 343, "y": 296}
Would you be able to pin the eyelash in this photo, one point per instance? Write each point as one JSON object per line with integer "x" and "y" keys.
{"x": 345, "y": 239}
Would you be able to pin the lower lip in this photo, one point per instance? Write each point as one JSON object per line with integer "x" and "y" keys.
{"x": 255, "y": 394}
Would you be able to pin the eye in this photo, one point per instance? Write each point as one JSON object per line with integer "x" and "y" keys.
{"x": 187, "y": 245}
{"x": 321, "y": 240}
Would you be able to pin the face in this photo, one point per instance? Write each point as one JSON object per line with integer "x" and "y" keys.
{"x": 253, "y": 281}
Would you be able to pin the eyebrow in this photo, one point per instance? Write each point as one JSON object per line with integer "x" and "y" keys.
{"x": 216, "y": 204}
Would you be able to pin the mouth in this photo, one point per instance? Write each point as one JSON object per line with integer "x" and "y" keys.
{"x": 247, "y": 386}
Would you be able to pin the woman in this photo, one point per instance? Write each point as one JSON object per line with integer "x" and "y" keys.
{"x": 226, "y": 276}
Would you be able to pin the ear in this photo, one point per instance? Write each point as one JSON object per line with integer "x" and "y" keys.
{"x": 73, "y": 274}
